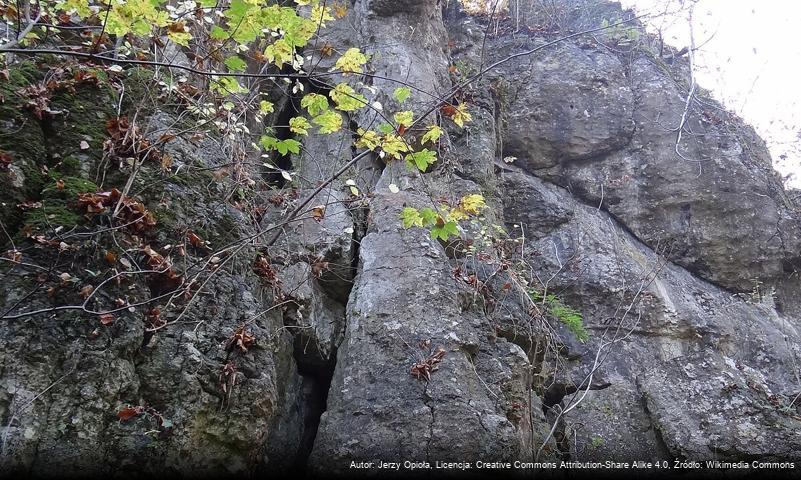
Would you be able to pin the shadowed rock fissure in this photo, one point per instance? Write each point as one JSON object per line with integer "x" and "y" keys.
{"x": 316, "y": 380}
{"x": 315, "y": 371}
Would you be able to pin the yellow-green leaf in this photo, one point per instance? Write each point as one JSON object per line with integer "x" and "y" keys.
{"x": 401, "y": 94}
{"x": 346, "y": 98}
{"x": 76, "y": 7}
{"x": 314, "y": 103}
{"x": 227, "y": 85}
{"x": 319, "y": 15}
{"x": 432, "y": 135}
{"x": 404, "y": 118}
{"x": 279, "y": 52}
{"x": 394, "y": 146}
{"x": 351, "y": 61}
{"x": 329, "y": 121}
{"x": 299, "y": 125}
{"x": 411, "y": 217}
{"x": 266, "y": 107}
{"x": 368, "y": 139}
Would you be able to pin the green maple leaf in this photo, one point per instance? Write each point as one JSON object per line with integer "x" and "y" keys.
{"x": 411, "y": 217}
{"x": 429, "y": 216}
{"x": 401, "y": 94}
{"x": 288, "y": 145}
{"x": 217, "y": 33}
{"x": 283, "y": 146}
{"x": 235, "y": 64}
{"x": 314, "y": 103}
{"x": 422, "y": 159}
{"x": 268, "y": 142}
{"x": 227, "y": 85}
{"x": 329, "y": 121}
{"x": 445, "y": 231}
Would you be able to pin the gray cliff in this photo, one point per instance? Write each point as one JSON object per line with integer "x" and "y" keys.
{"x": 683, "y": 268}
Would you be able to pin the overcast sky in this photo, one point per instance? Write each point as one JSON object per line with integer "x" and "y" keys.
{"x": 751, "y": 62}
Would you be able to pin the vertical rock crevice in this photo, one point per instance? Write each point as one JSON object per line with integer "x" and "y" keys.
{"x": 315, "y": 347}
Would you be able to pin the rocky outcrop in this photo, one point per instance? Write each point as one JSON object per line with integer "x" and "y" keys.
{"x": 69, "y": 376}
{"x": 606, "y": 128}
{"x": 653, "y": 244}
{"x": 349, "y": 338}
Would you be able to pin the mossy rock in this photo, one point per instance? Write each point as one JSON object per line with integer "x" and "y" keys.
{"x": 85, "y": 113}
{"x": 71, "y": 187}
{"x": 53, "y": 213}
{"x": 21, "y": 135}
{"x": 71, "y": 165}
{"x": 50, "y": 144}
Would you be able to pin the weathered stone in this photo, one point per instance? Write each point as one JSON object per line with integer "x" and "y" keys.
{"x": 338, "y": 316}
{"x": 611, "y": 138}
{"x": 576, "y": 104}
{"x": 695, "y": 372}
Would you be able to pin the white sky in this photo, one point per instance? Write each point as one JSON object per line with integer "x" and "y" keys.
{"x": 751, "y": 63}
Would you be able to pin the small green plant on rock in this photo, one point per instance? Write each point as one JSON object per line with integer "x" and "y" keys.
{"x": 443, "y": 223}
{"x": 566, "y": 314}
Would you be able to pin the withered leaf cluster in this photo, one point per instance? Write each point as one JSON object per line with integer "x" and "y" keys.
{"x": 136, "y": 218}
{"x": 423, "y": 369}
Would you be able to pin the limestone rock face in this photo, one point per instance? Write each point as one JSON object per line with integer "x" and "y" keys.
{"x": 596, "y": 125}
{"x": 575, "y": 104}
{"x": 301, "y": 347}
{"x": 69, "y": 379}
{"x": 689, "y": 370}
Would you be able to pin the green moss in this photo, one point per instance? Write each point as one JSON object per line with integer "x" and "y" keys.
{"x": 34, "y": 180}
{"x": 20, "y": 132}
{"x": 21, "y": 74}
{"x": 72, "y": 187}
{"x": 566, "y": 314}
{"x": 51, "y": 214}
{"x": 84, "y": 108}
{"x": 58, "y": 204}
{"x": 53, "y": 142}
{"x": 70, "y": 165}
{"x": 165, "y": 217}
